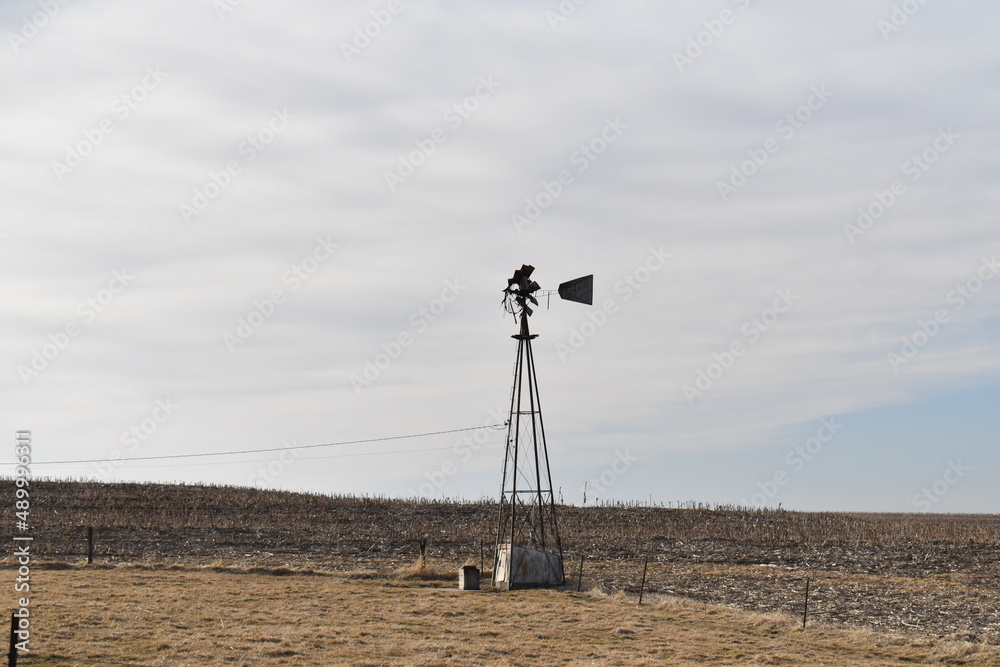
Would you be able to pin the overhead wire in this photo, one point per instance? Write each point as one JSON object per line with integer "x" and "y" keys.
{"x": 312, "y": 458}
{"x": 275, "y": 449}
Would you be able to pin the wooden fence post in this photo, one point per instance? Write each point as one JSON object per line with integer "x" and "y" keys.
{"x": 579, "y": 576}
{"x": 642, "y": 586}
{"x": 12, "y": 655}
{"x": 423, "y": 551}
{"x": 90, "y": 545}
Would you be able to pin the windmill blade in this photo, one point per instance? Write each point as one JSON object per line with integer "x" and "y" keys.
{"x": 580, "y": 290}
{"x": 520, "y": 275}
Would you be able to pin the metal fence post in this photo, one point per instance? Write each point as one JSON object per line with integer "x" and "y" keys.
{"x": 12, "y": 655}
{"x": 642, "y": 586}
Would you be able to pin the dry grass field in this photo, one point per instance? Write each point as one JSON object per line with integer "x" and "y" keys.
{"x": 182, "y": 571}
{"x": 177, "y": 617}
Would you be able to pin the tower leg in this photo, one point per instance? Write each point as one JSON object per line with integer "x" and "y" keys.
{"x": 528, "y": 549}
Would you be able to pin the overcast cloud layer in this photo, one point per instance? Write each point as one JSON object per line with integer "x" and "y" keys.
{"x": 242, "y": 225}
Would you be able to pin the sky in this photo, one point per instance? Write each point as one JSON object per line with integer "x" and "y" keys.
{"x": 233, "y": 225}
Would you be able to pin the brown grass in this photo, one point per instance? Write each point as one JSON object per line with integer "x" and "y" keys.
{"x": 154, "y": 615}
{"x": 423, "y": 570}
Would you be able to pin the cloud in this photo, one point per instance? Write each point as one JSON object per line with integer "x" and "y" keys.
{"x": 352, "y": 120}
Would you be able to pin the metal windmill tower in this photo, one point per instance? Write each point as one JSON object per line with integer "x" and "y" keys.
{"x": 528, "y": 550}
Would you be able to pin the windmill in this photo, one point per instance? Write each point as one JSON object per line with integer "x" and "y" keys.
{"x": 528, "y": 550}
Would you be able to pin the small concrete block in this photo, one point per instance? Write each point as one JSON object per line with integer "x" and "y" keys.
{"x": 468, "y": 578}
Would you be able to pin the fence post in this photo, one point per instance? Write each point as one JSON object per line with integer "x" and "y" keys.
{"x": 12, "y": 655}
{"x": 579, "y": 576}
{"x": 90, "y": 545}
{"x": 805, "y": 606}
{"x": 642, "y": 586}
